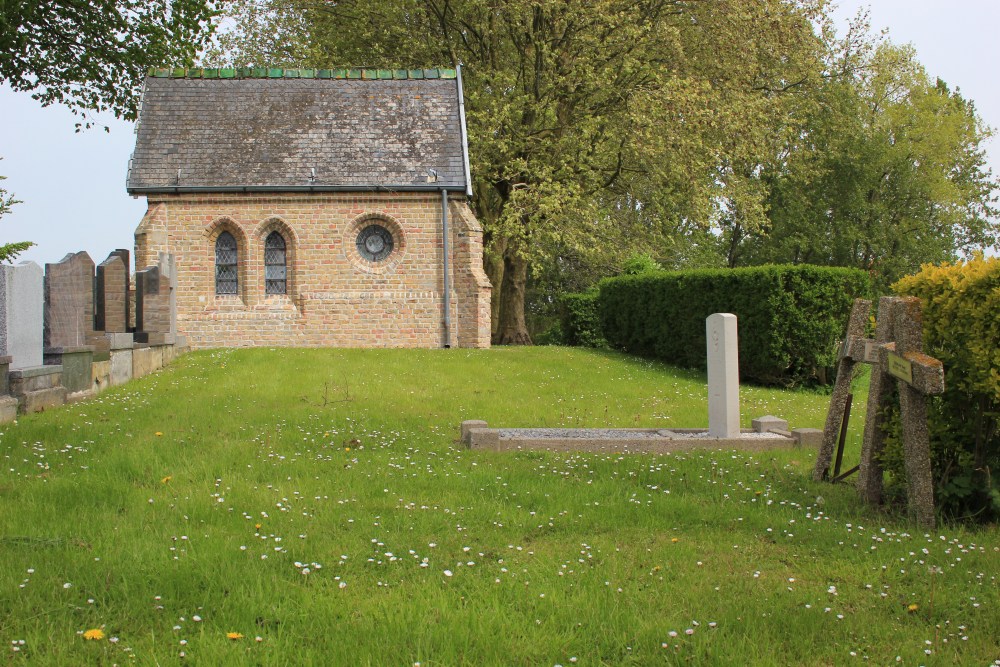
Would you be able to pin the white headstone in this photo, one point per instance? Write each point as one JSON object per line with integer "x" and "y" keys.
{"x": 723, "y": 376}
{"x": 21, "y": 314}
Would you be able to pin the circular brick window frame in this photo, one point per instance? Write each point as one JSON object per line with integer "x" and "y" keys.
{"x": 362, "y": 222}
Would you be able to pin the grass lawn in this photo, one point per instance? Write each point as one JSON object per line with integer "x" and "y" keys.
{"x": 317, "y": 505}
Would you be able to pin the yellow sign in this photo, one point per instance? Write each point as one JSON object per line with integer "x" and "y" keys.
{"x": 900, "y": 368}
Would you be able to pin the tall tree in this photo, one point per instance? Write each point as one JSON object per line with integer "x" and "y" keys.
{"x": 891, "y": 173}
{"x": 93, "y": 55}
{"x": 586, "y": 118}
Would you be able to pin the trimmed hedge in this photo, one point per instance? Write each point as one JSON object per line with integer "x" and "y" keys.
{"x": 790, "y": 317}
{"x": 961, "y": 319}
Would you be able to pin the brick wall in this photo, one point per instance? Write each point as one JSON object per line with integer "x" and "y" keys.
{"x": 334, "y": 296}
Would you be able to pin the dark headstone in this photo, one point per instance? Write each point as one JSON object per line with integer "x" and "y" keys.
{"x": 112, "y": 295}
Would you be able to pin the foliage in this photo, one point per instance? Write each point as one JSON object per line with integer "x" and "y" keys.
{"x": 9, "y": 251}
{"x": 639, "y": 264}
{"x": 179, "y": 508}
{"x": 890, "y": 172}
{"x": 961, "y": 302}
{"x": 790, "y": 317}
{"x": 579, "y": 320}
{"x": 93, "y": 56}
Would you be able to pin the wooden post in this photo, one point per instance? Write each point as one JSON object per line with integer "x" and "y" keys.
{"x": 900, "y": 355}
{"x": 841, "y": 388}
{"x": 913, "y": 413}
{"x": 879, "y": 390}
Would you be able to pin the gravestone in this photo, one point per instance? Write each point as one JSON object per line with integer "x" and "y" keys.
{"x": 723, "y": 376}
{"x": 155, "y": 303}
{"x": 111, "y": 314}
{"x": 21, "y": 314}
{"x": 69, "y": 302}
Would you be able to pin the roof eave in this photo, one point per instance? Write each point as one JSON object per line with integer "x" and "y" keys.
{"x": 192, "y": 189}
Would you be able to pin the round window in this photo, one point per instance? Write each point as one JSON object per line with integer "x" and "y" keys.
{"x": 374, "y": 243}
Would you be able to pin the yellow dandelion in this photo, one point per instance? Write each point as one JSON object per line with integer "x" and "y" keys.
{"x": 234, "y": 635}
{"x": 913, "y": 607}
{"x": 94, "y": 634}
{"x": 675, "y": 539}
{"x": 159, "y": 433}
{"x": 256, "y": 526}
{"x": 166, "y": 480}
{"x": 347, "y": 449}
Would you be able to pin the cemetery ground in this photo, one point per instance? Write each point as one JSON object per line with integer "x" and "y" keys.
{"x": 316, "y": 507}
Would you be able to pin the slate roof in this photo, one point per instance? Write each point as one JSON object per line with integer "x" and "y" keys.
{"x": 290, "y": 130}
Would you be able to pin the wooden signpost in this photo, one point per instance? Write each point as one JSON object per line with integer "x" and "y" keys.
{"x": 896, "y": 353}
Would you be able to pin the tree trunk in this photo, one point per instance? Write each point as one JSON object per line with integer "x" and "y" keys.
{"x": 512, "y": 329}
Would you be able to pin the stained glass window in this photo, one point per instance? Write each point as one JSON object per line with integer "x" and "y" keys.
{"x": 226, "y": 256}
{"x": 275, "y": 268}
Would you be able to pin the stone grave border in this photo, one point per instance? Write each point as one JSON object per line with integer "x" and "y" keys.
{"x": 768, "y": 432}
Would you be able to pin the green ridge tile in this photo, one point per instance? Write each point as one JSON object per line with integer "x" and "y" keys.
{"x": 275, "y": 73}
{"x": 258, "y": 72}
{"x": 291, "y": 73}
{"x": 369, "y": 74}
{"x": 431, "y": 74}
{"x": 399, "y": 74}
{"x": 324, "y": 73}
{"x": 195, "y": 72}
{"x": 353, "y": 73}
{"x": 385, "y": 74}
{"x": 211, "y": 73}
{"x": 227, "y": 73}
{"x": 307, "y": 74}
{"x": 416, "y": 73}
{"x": 244, "y": 72}
{"x": 448, "y": 74}
{"x": 340, "y": 73}
{"x": 159, "y": 73}
{"x": 178, "y": 72}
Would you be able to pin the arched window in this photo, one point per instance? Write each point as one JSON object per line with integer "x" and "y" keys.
{"x": 275, "y": 269}
{"x": 226, "y": 256}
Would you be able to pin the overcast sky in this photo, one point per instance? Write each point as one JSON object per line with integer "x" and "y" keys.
{"x": 73, "y": 184}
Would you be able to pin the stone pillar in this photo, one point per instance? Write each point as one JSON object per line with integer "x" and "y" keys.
{"x": 841, "y": 388}
{"x": 21, "y": 314}
{"x": 723, "y": 376}
{"x": 8, "y": 404}
{"x": 879, "y": 390}
{"x": 908, "y": 324}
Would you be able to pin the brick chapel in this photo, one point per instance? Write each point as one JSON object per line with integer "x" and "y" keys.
{"x": 312, "y": 207}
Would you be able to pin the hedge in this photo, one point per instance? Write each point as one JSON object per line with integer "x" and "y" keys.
{"x": 961, "y": 320}
{"x": 789, "y": 317}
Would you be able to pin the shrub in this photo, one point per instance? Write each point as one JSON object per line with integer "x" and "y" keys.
{"x": 790, "y": 317}
{"x": 579, "y": 322}
{"x": 637, "y": 264}
{"x": 961, "y": 320}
